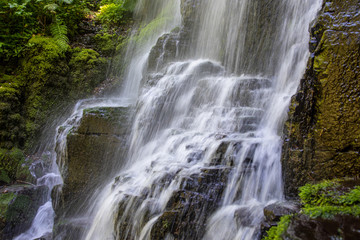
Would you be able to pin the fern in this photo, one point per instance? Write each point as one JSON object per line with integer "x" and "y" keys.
{"x": 59, "y": 31}
{"x": 65, "y": 1}
{"x": 51, "y": 7}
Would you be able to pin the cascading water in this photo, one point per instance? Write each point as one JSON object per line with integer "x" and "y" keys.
{"x": 205, "y": 146}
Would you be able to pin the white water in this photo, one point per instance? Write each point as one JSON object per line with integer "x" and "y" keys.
{"x": 227, "y": 94}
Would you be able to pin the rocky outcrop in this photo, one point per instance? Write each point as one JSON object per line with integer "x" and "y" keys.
{"x": 322, "y": 134}
{"x": 95, "y": 149}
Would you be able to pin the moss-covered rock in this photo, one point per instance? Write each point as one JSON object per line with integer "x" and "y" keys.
{"x": 322, "y": 135}
{"x": 12, "y": 122}
{"x": 87, "y": 70}
{"x": 330, "y": 210}
{"x": 13, "y": 166}
{"x": 18, "y": 207}
{"x": 47, "y": 79}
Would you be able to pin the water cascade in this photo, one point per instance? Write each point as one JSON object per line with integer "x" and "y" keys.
{"x": 205, "y": 146}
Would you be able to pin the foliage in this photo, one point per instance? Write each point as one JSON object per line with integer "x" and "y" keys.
{"x": 111, "y": 14}
{"x": 59, "y": 32}
{"x": 329, "y": 198}
{"x": 319, "y": 194}
{"x": 87, "y": 68}
{"x": 5, "y": 199}
{"x": 21, "y": 19}
{"x": 276, "y": 233}
{"x": 115, "y": 12}
{"x": 9, "y": 162}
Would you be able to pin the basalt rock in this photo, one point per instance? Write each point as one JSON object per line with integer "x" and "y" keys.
{"x": 94, "y": 150}
{"x": 339, "y": 227}
{"x": 322, "y": 134}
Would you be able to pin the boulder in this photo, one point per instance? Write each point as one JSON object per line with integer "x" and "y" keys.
{"x": 95, "y": 150}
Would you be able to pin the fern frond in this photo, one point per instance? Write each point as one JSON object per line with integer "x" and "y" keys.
{"x": 59, "y": 31}
{"x": 65, "y": 1}
{"x": 51, "y": 6}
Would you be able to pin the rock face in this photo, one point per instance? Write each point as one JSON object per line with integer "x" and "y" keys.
{"x": 94, "y": 150}
{"x": 322, "y": 135}
{"x": 172, "y": 45}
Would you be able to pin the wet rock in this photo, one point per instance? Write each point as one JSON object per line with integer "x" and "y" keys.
{"x": 188, "y": 209}
{"x": 322, "y": 135}
{"x": 274, "y": 212}
{"x": 172, "y": 45}
{"x": 94, "y": 151}
{"x": 18, "y": 207}
{"x": 339, "y": 227}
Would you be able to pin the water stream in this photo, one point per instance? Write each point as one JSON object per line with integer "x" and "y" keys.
{"x": 205, "y": 145}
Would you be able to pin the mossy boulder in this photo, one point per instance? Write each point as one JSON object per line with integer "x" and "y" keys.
{"x": 87, "y": 70}
{"x": 100, "y": 137}
{"x": 322, "y": 135}
{"x": 18, "y": 207}
{"x": 330, "y": 210}
{"x": 13, "y": 166}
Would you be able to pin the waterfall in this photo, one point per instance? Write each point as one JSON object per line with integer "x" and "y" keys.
{"x": 206, "y": 140}
{"x": 205, "y": 145}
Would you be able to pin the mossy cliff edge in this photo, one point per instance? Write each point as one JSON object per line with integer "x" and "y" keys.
{"x": 322, "y": 134}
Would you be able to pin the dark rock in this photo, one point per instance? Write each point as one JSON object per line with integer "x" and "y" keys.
{"x": 274, "y": 212}
{"x": 322, "y": 134}
{"x": 339, "y": 227}
{"x": 19, "y": 204}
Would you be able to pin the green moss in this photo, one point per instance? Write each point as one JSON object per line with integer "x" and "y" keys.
{"x": 277, "y": 232}
{"x": 330, "y": 198}
{"x": 20, "y": 207}
{"x": 9, "y": 162}
{"x": 5, "y": 199}
{"x": 330, "y": 211}
{"x": 87, "y": 70}
{"x": 4, "y": 177}
{"x": 106, "y": 42}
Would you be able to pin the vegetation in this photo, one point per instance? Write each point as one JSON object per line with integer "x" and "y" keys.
{"x": 42, "y": 66}
{"x": 276, "y": 233}
{"x": 324, "y": 200}
{"x": 330, "y": 198}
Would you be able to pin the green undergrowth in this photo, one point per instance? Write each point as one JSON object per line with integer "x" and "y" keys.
{"x": 330, "y": 198}
{"x": 324, "y": 200}
{"x": 276, "y": 233}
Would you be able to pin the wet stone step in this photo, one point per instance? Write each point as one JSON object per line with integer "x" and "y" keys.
{"x": 254, "y": 83}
